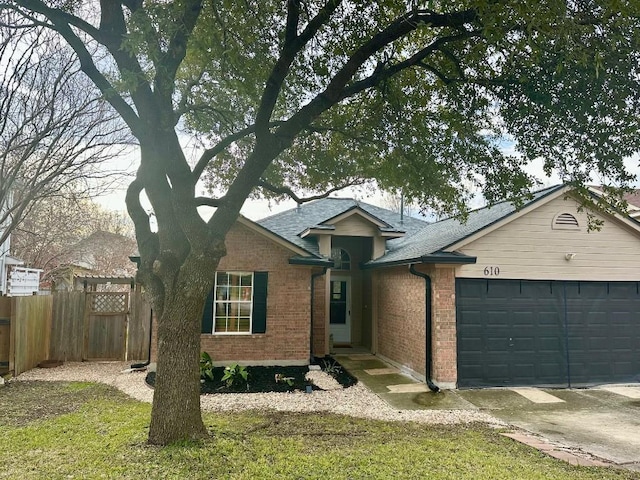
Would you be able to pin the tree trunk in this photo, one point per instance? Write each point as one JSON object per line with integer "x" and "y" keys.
{"x": 176, "y": 402}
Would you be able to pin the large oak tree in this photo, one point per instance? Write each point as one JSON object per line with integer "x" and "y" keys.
{"x": 294, "y": 96}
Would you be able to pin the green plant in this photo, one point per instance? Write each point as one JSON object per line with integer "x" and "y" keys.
{"x": 235, "y": 375}
{"x": 280, "y": 378}
{"x": 206, "y": 366}
{"x": 331, "y": 367}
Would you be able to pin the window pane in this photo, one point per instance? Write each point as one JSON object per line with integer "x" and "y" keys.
{"x": 221, "y": 324}
{"x": 234, "y": 293}
{"x": 341, "y": 259}
{"x": 244, "y": 325}
{"x": 233, "y": 303}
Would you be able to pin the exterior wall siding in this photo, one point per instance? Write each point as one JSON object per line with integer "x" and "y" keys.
{"x": 528, "y": 248}
{"x": 355, "y": 226}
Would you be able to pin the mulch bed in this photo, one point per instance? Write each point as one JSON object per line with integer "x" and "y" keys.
{"x": 262, "y": 379}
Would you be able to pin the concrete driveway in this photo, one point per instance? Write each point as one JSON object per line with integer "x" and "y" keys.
{"x": 603, "y": 421}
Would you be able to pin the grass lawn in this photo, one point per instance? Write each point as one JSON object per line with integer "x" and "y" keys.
{"x": 84, "y": 430}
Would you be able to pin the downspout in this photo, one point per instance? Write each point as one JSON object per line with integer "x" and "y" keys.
{"x": 139, "y": 366}
{"x": 428, "y": 327}
{"x": 313, "y": 296}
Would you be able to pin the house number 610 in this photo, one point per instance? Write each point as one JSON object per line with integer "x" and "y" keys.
{"x": 491, "y": 271}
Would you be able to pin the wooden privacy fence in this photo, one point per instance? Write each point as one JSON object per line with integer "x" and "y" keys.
{"x": 99, "y": 326}
{"x": 25, "y": 326}
{"x": 73, "y": 327}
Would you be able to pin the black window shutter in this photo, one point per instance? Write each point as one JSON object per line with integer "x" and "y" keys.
{"x": 207, "y": 316}
{"x": 259, "y": 318}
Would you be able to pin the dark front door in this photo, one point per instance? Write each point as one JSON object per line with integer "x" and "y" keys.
{"x": 547, "y": 333}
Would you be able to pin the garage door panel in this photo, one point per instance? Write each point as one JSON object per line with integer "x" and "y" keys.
{"x": 496, "y": 318}
{"x": 500, "y": 291}
{"x": 550, "y": 344}
{"x": 520, "y": 327}
{"x": 623, "y": 291}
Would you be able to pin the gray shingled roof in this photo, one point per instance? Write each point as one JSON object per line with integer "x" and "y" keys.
{"x": 291, "y": 223}
{"x": 436, "y": 237}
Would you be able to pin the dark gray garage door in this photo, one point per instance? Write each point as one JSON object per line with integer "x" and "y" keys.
{"x": 547, "y": 333}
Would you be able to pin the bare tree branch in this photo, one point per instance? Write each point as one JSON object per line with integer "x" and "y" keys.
{"x": 283, "y": 190}
{"x": 54, "y": 128}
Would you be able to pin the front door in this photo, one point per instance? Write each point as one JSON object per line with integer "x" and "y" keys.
{"x": 340, "y": 310}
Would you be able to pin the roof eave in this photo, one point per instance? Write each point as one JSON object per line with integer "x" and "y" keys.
{"x": 443, "y": 258}
{"x": 391, "y": 235}
{"x": 311, "y": 261}
{"x": 317, "y": 230}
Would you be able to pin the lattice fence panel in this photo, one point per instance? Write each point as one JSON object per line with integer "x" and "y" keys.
{"x": 109, "y": 303}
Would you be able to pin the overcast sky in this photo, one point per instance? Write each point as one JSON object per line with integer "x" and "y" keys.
{"x": 257, "y": 209}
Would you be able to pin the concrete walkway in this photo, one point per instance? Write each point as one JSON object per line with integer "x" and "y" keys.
{"x": 590, "y": 427}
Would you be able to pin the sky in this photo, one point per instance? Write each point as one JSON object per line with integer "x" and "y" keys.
{"x": 257, "y": 209}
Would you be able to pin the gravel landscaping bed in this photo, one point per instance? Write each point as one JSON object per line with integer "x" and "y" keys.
{"x": 356, "y": 401}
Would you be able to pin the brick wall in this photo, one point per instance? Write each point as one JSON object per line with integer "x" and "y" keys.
{"x": 401, "y": 317}
{"x": 320, "y": 348}
{"x": 401, "y": 320}
{"x": 287, "y": 337}
{"x": 444, "y": 357}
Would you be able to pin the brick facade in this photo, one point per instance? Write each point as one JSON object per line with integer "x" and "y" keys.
{"x": 320, "y": 336}
{"x": 444, "y": 357}
{"x": 399, "y": 312}
{"x": 287, "y": 337}
{"x": 401, "y": 320}
{"x": 401, "y": 317}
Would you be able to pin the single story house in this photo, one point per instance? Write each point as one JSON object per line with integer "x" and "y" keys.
{"x": 527, "y": 296}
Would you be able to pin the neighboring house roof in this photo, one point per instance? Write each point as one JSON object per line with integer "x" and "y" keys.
{"x": 102, "y": 253}
{"x": 317, "y": 215}
{"x": 432, "y": 242}
{"x": 11, "y": 260}
{"x": 632, "y": 199}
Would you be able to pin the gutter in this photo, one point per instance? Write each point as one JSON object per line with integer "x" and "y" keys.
{"x": 311, "y": 261}
{"x": 313, "y": 296}
{"x": 445, "y": 258}
{"x": 428, "y": 326}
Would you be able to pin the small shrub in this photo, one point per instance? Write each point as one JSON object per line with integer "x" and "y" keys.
{"x": 331, "y": 367}
{"x": 280, "y": 378}
{"x": 206, "y": 366}
{"x": 235, "y": 375}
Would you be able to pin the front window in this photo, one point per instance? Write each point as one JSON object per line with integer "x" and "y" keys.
{"x": 233, "y": 302}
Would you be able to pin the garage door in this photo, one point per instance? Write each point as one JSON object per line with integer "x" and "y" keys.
{"x": 547, "y": 333}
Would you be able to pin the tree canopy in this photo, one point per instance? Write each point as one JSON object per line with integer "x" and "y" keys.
{"x": 301, "y": 96}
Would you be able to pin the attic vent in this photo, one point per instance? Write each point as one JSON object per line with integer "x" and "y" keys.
{"x": 565, "y": 221}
